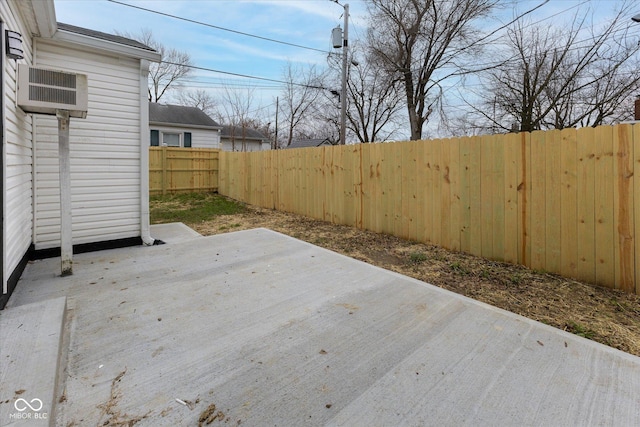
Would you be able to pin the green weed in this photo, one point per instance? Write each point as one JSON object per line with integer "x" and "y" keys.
{"x": 580, "y": 330}
{"x": 417, "y": 257}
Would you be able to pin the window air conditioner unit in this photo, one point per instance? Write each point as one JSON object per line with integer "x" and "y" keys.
{"x": 45, "y": 91}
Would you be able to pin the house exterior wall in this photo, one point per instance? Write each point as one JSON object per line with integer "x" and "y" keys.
{"x": 104, "y": 149}
{"x": 251, "y": 145}
{"x": 200, "y": 138}
{"x": 17, "y": 153}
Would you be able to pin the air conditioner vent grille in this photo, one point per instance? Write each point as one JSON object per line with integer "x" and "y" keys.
{"x": 52, "y": 78}
{"x": 51, "y": 94}
{"x": 46, "y": 91}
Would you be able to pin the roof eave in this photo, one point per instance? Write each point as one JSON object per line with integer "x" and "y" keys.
{"x": 45, "y": 17}
{"x": 94, "y": 43}
{"x": 185, "y": 125}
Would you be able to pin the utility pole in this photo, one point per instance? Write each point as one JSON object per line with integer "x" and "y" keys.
{"x": 345, "y": 62}
{"x": 275, "y": 143}
{"x": 343, "y": 99}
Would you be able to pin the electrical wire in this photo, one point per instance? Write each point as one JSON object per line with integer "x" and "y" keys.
{"x": 193, "y": 21}
{"x": 195, "y": 67}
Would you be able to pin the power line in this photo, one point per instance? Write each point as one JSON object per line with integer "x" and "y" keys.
{"x": 247, "y": 76}
{"x": 193, "y": 21}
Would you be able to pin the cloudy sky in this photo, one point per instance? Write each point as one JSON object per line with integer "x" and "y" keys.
{"x": 306, "y": 23}
{"x": 201, "y": 28}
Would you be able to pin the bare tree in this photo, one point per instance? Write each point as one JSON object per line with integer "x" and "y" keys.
{"x": 199, "y": 98}
{"x": 237, "y": 107}
{"x": 422, "y": 43}
{"x": 579, "y": 75}
{"x": 174, "y": 65}
{"x": 301, "y": 91}
{"x": 374, "y": 103}
{"x": 373, "y": 99}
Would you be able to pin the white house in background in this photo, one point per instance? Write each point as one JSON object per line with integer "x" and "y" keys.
{"x": 237, "y": 138}
{"x": 179, "y": 126}
{"x": 108, "y": 149}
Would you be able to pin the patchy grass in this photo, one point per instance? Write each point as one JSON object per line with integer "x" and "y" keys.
{"x": 417, "y": 257}
{"x": 192, "y": 208}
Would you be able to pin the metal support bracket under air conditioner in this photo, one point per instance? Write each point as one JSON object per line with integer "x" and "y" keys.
{"x": 64, "y": 163}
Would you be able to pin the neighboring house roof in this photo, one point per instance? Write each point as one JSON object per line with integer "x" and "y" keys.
{"x": 304, "y": 143}
{"x": 179, "y": 115}
{"x": 104, "y": 36}
{"x": 239, "y": 132}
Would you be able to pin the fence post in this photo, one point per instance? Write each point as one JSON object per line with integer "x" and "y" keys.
{"x": 164, "y": 170}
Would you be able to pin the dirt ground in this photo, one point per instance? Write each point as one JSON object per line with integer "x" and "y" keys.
{"x": 604, "y": 315}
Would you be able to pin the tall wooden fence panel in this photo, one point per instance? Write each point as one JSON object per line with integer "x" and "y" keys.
{"x": 180, "y": 170}
{"x": 562, "y": 201}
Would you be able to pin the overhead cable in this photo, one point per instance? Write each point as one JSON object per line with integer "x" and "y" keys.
{"x": 193, "y": 21}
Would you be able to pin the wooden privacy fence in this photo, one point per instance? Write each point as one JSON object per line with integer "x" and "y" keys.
{"x": 179, "y": 170}
{"x": 566, "y": 202}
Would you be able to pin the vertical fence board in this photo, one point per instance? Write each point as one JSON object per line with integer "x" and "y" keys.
{"x": 373, "y": 212}
{"x": 309, "y": 182}
{"x": 605, "y": 247}
{"x": 421, "y": 201}
{"x": 511, "y": 158}
{"x": 465, "y": 187}
{"x": 475, "y": 201}
{"x": 325, "y": 172}
{"x": 444, "y": 177}
{"x": 338, "y": 184}
{"x": 498, "y": 197}
{"x": 569, "y": 197}
{"x": 349, "y": 163}
{"x": 284, "y": 181}
{"x": 454, "y": 178}
{"x": 318, "y": 184}
{"x": 623, "y": 207}
{"x": 486, "y": 195}
{"x": 524, "y": 200}
{"x": 387, "y": 188}
{"x": 409, "y": 190}
{"x": 358, "y": 184}
{"x": 427, "y": 191}
{"x": 553, "y": 201}
{"x": 585, "y": 204}
{"x": 436, "y": 198}
{"x": 397, "y": 196}
{"x": 538, "y": 200}
{"x": 636, "y": 205}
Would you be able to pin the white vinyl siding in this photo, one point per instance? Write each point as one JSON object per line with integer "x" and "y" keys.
{"x": 200, "y": 138}
{"x": 17, "y": 153}
{"x": 250, "y": 145}
{"x": 104, "y": 151}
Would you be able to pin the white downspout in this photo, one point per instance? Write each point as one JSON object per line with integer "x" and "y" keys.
{"x": 145, "y": 232}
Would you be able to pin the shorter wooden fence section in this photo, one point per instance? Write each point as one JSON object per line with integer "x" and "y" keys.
{"x": 181, "y": 170}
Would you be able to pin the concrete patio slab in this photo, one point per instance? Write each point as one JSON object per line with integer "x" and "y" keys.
{"x": 30, "y": 344}
{"x": 174, "y": 232}
{"x": 257, "y": 328}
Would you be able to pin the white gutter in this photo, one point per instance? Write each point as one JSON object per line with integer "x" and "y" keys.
{"x": 145, "y": 231}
